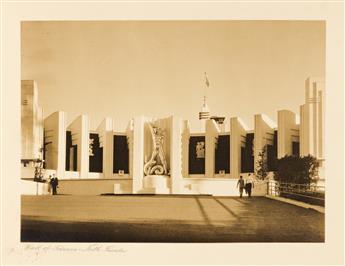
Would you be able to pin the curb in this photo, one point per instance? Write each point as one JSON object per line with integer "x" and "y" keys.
{"x": 298, "y": 203}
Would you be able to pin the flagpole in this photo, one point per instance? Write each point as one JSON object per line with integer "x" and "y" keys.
{"x": 207, "y": 84}
{"x": 204, "y": 114}
{"x": 205, "y": 88}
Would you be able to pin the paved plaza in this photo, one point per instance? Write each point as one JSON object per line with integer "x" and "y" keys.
{"x": 66, "y": 218}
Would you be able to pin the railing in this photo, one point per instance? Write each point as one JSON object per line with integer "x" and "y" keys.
{"x": 302, "y": 192}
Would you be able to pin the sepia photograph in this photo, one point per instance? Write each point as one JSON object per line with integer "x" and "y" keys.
{"x": 172, "y": 131}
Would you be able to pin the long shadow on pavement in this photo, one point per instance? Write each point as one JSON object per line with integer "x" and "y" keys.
{"x": 261, "y": 220}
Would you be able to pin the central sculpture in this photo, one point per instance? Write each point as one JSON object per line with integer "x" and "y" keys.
{"x": 157, "y": 164}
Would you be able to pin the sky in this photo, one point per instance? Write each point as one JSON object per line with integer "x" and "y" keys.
{"x": 122, "y": 69}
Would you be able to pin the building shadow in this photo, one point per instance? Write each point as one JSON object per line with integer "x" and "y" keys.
{"x": 225, "y": 207}
{"x": 202, "y": 211}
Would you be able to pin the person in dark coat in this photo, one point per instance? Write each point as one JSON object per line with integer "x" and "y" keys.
{"x": 249, "y": 185}
{"x": 240, "y": 185}
{"x": 54, "y": 183}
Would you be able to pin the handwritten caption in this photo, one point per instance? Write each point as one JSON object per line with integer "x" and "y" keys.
{"x": 64, "y": 248}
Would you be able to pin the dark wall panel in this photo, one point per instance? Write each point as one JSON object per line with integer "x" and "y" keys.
{"x": 272, "y": 152}
{"x": 247, "y": 155}
{"x": 222, "y": 154}
{"x": 75, "y": 157}
{"x": 196, "y": 163}
{"x": 295, "y": 148}
{"x": 68, "y": 147}
{"x": 121, "y": 154}
{"x": 95, "y": 160}
{"x": 44, "y": 150}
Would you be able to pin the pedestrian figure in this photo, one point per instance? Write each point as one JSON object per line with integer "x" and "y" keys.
{"x": 54, "y": 183}
{"x": 249, "y": 185}
{"x": 240, "y": 184}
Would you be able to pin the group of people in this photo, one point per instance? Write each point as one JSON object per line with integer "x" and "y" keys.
{"x": 54, "y": 183}
{"x": 246, "y": 185}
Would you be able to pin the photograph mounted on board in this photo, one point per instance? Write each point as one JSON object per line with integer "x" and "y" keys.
{"x": 173, "y": 131}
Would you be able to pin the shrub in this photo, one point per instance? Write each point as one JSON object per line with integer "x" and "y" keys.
{"x": 261, "y": 165}
{"x": 297, "y": 170}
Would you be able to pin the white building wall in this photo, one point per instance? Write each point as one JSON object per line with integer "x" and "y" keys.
{"x": 95, "y": 186}
{"x": 31, "y": 121}
{"x": 80, "y": 131}
{"x": 106, "y": 139}
{"x": 263, "y": 135}
{"x": 130, "y": 135}
{"x": 219, "y": 187}
{"x": 175, "y": 154}
{"x": 55, "y": 132}
{"x": 312, "y": 119}
{"x": 27, "y": 187}
{"x": 211, "y": 135}
{"x": 185, "y": 148}
{"x": 321, "y": 124}
{"x": 304, "y": 132}
{"x": 287, "y": 132}
{"x": 138, "y": 153}
{"x": 237, "y": 133}
{"x": 40, "y": 130}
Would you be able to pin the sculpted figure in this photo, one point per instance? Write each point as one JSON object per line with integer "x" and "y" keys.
{"x": 156, "y": 165}
{"x": 200, "y": 149}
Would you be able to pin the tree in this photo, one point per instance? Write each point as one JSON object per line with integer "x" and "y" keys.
{"x": 297, "y": 170}
{"x": 261, "y": 165}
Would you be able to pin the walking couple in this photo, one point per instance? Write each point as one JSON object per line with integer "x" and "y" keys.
{"x": 246, "y": 185}
{"x": 54, "y": 183}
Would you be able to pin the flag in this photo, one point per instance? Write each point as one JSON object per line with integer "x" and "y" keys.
{"x": 206, "y": 81}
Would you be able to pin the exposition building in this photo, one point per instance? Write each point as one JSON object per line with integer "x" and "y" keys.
{"x": 163, "y": 156}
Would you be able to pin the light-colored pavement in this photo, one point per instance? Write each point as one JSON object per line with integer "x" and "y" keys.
{"x": 193, "y": 210}
{"x": 170, "y": 219}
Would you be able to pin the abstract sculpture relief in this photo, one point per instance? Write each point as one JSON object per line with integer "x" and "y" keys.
{"x": 200, "y": 150}
{"x": 156, "y": 165}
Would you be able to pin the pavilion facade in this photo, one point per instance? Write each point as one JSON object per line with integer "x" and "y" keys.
{"x": 208, "y": 162}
